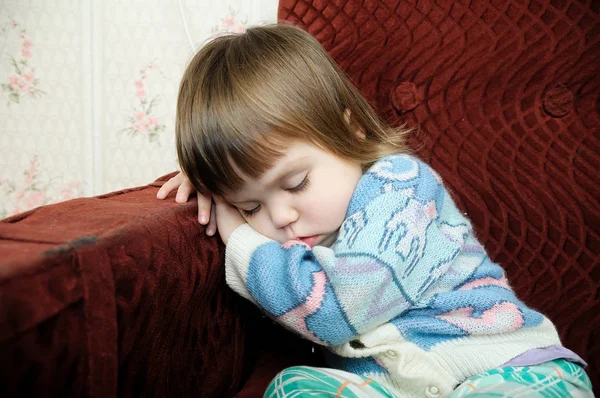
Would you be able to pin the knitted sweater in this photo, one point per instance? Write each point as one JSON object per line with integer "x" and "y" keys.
{"x": 406, "y": 295}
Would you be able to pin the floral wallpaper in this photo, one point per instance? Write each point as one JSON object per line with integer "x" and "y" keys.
{"x": 34, "y": 188}
{"x": 142, "y": 121}
{"x": 88, "y": 91}
{"x": 232, "y": 22}
{"x": 22, "y": 82}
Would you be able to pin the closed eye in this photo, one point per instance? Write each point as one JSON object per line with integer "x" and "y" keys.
{"x": 300, "y": 187}
{"x": 251, "y": 212}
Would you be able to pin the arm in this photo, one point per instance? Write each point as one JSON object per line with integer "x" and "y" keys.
{"x": 389, "y": 252}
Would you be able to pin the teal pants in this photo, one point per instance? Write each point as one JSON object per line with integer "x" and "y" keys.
{"x": 556, "y": 379}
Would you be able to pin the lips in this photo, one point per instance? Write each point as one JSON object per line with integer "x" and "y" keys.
{"x": 310, "y": 240}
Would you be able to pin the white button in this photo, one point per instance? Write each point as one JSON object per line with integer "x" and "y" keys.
{"x": 432, "y": 392}
{"x": 391, "y": 353}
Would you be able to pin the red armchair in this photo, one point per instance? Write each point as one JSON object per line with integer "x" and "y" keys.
{"x": 123, "y": 294}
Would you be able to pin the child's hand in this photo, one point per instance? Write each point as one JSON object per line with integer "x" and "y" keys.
{"x": 228, "y": 219}
{"x": 184, "y": 190}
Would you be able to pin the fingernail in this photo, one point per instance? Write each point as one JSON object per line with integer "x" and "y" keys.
{"x": 210, "y": 232}
{"x": 203, "y": 219}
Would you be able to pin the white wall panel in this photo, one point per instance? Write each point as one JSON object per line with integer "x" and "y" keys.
{"x": 84, "y": 127}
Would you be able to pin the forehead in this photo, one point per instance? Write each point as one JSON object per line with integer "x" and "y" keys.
{"x": 296, "y": 157}
{"x": 297, "y": 153}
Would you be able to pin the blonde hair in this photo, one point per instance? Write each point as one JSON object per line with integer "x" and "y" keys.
{"x": 244, "y": 97}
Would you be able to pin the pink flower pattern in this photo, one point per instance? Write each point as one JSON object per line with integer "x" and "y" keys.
{"x": 229, "y": 24}
{"x": 32, "y": 192}
{"x": 142, "y": 121}
{"x": 23, "y": 82}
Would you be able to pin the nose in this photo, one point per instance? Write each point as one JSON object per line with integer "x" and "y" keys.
{"x": 283, "y": 214}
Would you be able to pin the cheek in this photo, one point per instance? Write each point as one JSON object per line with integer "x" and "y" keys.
{"x": 327, "y": 211}
{"x": 262, "y": 226}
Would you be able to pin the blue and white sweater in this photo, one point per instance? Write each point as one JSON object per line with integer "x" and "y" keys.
{"x": 406, "y": 295}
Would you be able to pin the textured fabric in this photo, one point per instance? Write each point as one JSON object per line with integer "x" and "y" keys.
{"x": 323, "y": 382}
{"x": 539, "y": 355}
{"x": 548, "y": 380}
{"x": 551, "y": 379}
{"x": 506, "y": 96}
{"x": 405, "y": 275}
{"x": 121, "y": 294}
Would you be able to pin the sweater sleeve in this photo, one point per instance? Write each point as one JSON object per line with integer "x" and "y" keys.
{"x": 391, "y": 249}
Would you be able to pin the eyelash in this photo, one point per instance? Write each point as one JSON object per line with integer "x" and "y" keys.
{"x": 298, "y": 188}
{"x": 250, "y": 213}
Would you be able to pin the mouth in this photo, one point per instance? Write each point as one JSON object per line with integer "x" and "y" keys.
{"x": 310, "y": 240}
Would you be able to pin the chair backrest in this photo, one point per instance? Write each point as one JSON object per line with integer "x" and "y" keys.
{"x": 505, "y": 94}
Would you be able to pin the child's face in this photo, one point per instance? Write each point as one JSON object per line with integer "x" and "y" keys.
{"x": 304, "y": 196}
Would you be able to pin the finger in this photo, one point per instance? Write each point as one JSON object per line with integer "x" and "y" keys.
{"x": 212, "y": 224}
{"x": 184, "y": 191}
{"x": 168, "y": 186}
{"x": 204, "y": 205}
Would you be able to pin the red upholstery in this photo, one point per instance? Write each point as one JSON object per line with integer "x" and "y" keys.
{"x": 119, "y": 294}
{"x": 506, "y": 94}
{"x": 124, "y": 295}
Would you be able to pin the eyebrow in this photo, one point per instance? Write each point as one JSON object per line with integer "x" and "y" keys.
{"x": 298, "y": 165}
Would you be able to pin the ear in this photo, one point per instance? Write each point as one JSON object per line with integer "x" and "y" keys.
{"x": 358, "y": 130}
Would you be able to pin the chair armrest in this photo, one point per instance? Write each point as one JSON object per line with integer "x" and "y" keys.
{"x": 120, "y": 294}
